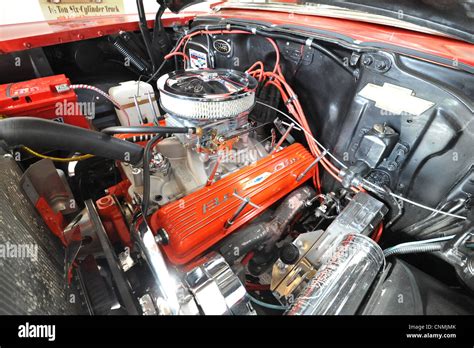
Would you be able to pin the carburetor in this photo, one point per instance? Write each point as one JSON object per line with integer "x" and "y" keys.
{"x": 217, "y": 102}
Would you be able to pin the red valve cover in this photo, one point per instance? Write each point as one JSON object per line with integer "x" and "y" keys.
{"x": 196, "y": 222}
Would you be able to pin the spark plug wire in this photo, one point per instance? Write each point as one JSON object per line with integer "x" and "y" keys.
{"x": 277, "y": 79}
{"x": 378, "y": 233}
{"x": 174, "y": 54}
{"x": 105, "y": 95}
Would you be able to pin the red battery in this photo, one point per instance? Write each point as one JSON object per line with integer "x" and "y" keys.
{"x": 46, "y": 97}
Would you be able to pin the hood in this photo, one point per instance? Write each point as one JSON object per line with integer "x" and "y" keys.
{"x": 452, "y": 18}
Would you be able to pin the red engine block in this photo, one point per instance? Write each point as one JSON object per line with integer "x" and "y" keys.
{"x": 197, "y": 222}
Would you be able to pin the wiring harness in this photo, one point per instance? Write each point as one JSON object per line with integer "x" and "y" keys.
{"x": 296, "y": 115}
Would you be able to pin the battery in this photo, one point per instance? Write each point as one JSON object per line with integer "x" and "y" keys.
{"x": 46, "y": 97}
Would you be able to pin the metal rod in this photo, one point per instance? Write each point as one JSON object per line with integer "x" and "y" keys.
{"x": 152, "y": 105}
{"x": 213, "y": 124}
{"x": 272, "y": 145}
{"x": 138, "y": 109}
{"x": 245, "y": 131}
{"x": 239, "y": 210}
{"x": 282, "y": 139}
{"x": 245, "y": 199}
{"x": 303, "y": 174}
{"x": 210, "y": 180}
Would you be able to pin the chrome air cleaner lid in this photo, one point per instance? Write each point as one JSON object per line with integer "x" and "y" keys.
{"x": 207, "y": 94}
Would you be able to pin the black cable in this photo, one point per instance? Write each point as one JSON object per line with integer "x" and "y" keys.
{"x": 212, "y": 58}
{"x": 161, "y": 41}
{"x": 145, "y": 32}
{"x": 156, "y": 72}
{"x": 313, "y": 45}
{"x": 149, "y": 130}
{"x": 147, "y": 154}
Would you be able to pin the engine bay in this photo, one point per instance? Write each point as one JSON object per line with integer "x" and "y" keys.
{"x": 255, "y": 170}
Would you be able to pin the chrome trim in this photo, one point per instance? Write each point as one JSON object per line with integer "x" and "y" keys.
{"x": 155, "y": 259}
{"x": 216, "y": 288}
{"x": 341, "y": 284}
{"x": 251, "y": 86}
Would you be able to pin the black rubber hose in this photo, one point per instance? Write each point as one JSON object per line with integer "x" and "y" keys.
{"x": 148, "y": 130}
{"x": 35, "y": 132}
{"x": 244, "y": 241}
{"x": 263, "y": 236}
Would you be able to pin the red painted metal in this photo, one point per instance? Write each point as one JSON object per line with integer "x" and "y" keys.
{"x": 120, "y": 189}
{"x": 22, "y": 36}
{"x": 455, "y": 50}
{"x": 196, "y": 222}
{"x": 54, "y": 221}
{"x": 39, "y": 98}
{"x": 113, "y": 220}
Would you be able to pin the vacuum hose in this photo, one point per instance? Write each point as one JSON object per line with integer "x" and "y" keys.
{"x": 34, "y": 132}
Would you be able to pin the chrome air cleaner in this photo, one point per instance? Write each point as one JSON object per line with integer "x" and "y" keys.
{"x": 208, "y": 94}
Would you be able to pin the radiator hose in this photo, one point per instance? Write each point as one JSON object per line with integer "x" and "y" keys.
{"x": 266, "y": 234}
{"x": 38, "y": 133}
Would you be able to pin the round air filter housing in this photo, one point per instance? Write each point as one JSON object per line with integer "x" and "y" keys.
{"x": 208, "y": 94}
